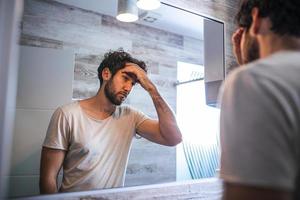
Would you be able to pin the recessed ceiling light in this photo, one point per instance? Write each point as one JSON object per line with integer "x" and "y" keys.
{"x": 148, "y": 4}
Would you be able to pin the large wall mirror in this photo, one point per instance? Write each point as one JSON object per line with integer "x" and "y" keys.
{"x": 63, "y": 42}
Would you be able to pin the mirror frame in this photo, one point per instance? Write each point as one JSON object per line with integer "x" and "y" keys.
{"x": 14, "y": 11}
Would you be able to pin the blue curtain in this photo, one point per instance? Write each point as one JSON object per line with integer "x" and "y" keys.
{"x": 202, "y": 160}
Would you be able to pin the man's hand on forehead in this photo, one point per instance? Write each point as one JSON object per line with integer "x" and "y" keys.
{"x": 133, "y": 70}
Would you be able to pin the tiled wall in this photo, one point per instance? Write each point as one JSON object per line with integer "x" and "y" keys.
{"x": 44, "y": 82}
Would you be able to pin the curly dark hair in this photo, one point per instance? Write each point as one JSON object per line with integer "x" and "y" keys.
{"x": 284, "y": 15}
{"x": 116, "y": 60}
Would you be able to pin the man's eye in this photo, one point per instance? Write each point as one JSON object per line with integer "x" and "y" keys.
{"x": 125, "y": 78}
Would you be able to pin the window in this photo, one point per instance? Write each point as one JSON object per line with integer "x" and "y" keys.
{"x": 198, "y": 122}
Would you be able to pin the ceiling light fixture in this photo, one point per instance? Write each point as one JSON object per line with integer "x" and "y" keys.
{"x": 148, "y": 4}
{"x": 127, "y": 11}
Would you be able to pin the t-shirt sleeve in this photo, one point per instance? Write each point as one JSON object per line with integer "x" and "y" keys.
{"x": 139, "y": 117}
{"x": 256, "y": 138}
{"x": 57, "y": 132}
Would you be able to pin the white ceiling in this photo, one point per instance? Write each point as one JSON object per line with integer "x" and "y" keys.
{"x": 169, "y": 18}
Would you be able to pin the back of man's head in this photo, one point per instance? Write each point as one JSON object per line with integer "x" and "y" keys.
{"x": 283, "y": 14}
{"x": 116, "y": 60}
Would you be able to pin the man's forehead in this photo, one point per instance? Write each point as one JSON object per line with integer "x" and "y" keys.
{"x": 131, "y": 64}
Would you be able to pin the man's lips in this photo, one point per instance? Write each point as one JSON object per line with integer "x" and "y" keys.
{"x": 123, "y": 94}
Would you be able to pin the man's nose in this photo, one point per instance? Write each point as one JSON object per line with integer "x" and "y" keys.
{"x": 128, "y": 86}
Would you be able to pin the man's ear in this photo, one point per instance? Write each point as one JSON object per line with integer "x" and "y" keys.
{"x": 256, "y": 22}
{"x": 106, "y": 74}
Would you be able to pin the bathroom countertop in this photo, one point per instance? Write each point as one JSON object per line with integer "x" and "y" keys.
{"x": 208, "y": 189}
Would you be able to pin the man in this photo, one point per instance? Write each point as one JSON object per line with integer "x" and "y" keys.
{"x": 260, "y": 108}
{"x": 91, "y": 138}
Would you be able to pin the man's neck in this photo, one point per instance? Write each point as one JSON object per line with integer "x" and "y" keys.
{"x": 102, "y": 103}
{"x": 273, "y": 43}
{"x": 98, "y": 106}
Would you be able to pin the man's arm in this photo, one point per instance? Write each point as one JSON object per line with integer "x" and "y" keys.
{"x": 242, "y": 192}
{"x": 51, "y": 162}
{"x": 164, "y": 130}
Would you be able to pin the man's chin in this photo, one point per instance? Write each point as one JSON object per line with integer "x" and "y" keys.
{"x": 117, "y": 102}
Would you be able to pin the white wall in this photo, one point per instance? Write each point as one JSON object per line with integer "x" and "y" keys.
{"x": 45, "y": 82}
{"x": 10, "y": 16}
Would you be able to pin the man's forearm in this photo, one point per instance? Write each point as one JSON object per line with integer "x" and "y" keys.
{"x": 167, "y": 121}
{"x": 48, "y": 185}
{"x": 169, "y": 133}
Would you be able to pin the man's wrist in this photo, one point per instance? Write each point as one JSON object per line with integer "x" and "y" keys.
{"x": 152, "y": 90}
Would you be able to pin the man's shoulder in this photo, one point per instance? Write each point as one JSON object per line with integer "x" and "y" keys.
{"x": 282, "y": 61}
{"x": 239, "y": 75}
{"x": 256, "y": 67}
{"x": 69, "y": 108}
{"x": 268, "y": 68}
{"x": 257, "y": 77}
{"x": 248, "y": 78}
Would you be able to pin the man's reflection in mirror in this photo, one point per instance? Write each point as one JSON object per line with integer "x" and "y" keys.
{"x": 91, "y": 138}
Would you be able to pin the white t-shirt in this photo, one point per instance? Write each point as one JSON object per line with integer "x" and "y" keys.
{"x": 260, "y": 123}
{"x": 97, "y": 150}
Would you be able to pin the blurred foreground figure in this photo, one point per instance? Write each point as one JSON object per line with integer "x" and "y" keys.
{"x": 260, "y": 107}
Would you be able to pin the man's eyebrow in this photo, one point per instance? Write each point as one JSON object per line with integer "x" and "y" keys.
{"x": 130, "y": 74}
{"x": 125, "y": 73}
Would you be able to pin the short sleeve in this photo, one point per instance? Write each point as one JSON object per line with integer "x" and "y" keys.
{"x": 57, "y": 132}
{"x": 139, "y": 117}
{"x": 256, "y": 136}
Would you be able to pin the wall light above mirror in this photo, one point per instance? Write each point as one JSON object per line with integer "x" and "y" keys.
{"x": 127, "y": 11}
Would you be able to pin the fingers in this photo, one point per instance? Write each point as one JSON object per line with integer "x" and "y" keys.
{"x": 237, "y": 35}
{"x": 236, "y": 43}
{"x": 141, "y": 75}
{"x": 134, "y": 69}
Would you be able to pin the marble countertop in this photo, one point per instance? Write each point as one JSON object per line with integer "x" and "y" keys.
{"x": 208, "y": 189}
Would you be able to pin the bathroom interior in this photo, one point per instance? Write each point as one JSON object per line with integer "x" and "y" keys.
{"x": 60, "y": 43}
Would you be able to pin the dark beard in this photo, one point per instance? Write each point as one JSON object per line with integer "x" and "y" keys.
{"x": 253, "y": 53}
{"x": 110, "y": 94}
{"x": 252, "y": 50}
